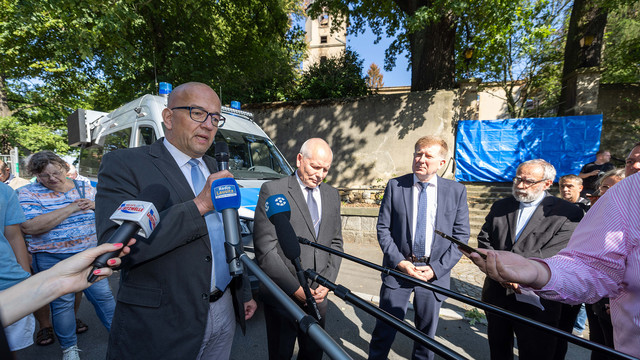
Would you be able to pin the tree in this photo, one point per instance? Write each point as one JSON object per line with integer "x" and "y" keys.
{"x": 58, "y": 56}
{"x": 426, "y": 28}
{"x": 335, "y": 77}
{"x": 622, "y": 45}
{"x": 523, "y": 55}
{"x": 374, "y": 77}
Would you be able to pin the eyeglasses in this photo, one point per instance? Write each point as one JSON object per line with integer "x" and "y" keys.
{"x": 527, "y": 183}
{"x": 56, "y": 174}
{"x": 200, "y": 115}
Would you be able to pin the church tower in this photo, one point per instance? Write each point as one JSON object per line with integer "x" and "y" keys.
{"x": 322, "y": 43}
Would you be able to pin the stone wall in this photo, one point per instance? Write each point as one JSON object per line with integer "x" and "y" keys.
{"x": 359, "y": 225}
{"x": 372, "y": 137}
{"x": 620, "y": 106}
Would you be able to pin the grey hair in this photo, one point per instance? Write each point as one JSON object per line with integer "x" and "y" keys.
{"x": 549, "y": 172}
{"x": 618, "y": 173}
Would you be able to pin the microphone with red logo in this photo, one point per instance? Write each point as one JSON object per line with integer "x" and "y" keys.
{"x": 134, "y": 216}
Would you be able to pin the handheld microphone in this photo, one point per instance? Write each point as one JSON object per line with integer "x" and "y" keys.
{"x": 225, "y": 195}
{"x": 134, "y": 216}
{"x": 279, "y": 212}
{"x": 222, "y": 155}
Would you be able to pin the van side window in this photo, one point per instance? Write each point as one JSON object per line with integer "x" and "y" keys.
{"x": 146, "y": 135}
{"x": 117, "y": 140}
{"x": 90, "y": 157}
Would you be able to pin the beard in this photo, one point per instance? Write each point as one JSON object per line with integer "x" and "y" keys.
{"x": 525, "y": 196}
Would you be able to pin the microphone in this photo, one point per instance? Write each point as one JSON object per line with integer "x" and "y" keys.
{"x": 225, "y": 195}
{"x": 222, "y": 155}
{"x": 279, "y": 212}
{"x": 134, "y": 216}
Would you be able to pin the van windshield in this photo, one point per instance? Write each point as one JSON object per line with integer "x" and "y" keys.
{"x": 252, "y": 157}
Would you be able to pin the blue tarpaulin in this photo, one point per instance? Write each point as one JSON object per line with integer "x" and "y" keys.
{"x": 491, "y": 150}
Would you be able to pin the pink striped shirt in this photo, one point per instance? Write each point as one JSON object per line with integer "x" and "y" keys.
{"x": 603, "y": 260}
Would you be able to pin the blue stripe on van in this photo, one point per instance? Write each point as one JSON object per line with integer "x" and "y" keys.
{"x": 249, "y": 198}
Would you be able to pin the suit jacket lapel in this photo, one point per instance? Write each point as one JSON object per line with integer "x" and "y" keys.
{"x": 163, "y": 160}
{"x": 407, "y": 195}
{"x": 298, "y": 199}
{"x": 512, "y": 222}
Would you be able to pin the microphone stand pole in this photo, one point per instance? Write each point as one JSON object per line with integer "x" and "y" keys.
{"x": 307, "y": 323}
{"x": 345, "y": 294}
{"x": 482, "y": 305}
{"x": 311, "y": 302}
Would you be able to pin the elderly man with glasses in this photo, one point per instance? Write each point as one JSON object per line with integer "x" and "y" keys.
{"x": 176, "y": 298}
{"x": 531, "y": 223}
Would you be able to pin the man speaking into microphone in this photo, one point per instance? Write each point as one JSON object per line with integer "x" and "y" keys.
{"x": 315, "y": 215}
{"x": 176, "y": 297}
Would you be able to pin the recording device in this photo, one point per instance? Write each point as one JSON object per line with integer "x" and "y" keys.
{"x": 134, "y": 216}
{"x": 279, "y": 212}
{"x": 225, "y": 195}
{"x": 222, "y": 155}
{"x": 460, "y": 244}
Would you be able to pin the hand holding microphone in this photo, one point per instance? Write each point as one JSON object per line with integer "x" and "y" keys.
{"x": 225, "y": 195}
{"x": 279, "y": 212}
{"x": 136, "y": 215}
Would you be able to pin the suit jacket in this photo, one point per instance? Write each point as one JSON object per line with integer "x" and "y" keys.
{"x": 163, "y": 299}
{"x": 547, "y": 232}
{"x": 268, "y": 251}
{"x": 395, "y": 227}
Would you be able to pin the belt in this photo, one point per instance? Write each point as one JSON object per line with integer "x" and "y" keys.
{"x": 216, "y": 295}
{"x": 421, "y": 260}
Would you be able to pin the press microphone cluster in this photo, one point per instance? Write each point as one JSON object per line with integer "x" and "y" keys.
{"x": 279, "y": 212}
{"x": 134, "y": 216}
{"x": 225, "y": 195}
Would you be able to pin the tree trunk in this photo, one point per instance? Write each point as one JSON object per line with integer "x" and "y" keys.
{"x": 4, "y": 104}
{"x": 432, "y": 50}
{"x": 585, "y": 38}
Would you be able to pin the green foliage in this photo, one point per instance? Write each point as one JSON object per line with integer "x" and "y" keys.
{"x": 30, "y": 137}
{"x": 336, "y": 77}
{"x": 622, "y": 45}
{"x": 474, "y": 316}
{"x": 56, "y": 56}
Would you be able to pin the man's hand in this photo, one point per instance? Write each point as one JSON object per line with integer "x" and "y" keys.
{"x": 507, "y": 267}
{"x": 426, "y": 271}
{"x": 203, "y": 200}
{"x": 250, "y": 309}
{"x": 320, "y": 293}
{"x": 408, "y": 268}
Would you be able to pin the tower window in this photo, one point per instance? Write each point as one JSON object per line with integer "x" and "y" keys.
{"x": 323, "y": 39}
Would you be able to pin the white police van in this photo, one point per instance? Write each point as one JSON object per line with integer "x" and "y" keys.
{"x": 253, "y": 158}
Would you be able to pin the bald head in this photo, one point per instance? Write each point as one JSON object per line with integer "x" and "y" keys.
{"x": 314, "y": 161}
{"x": 191, "y": 137}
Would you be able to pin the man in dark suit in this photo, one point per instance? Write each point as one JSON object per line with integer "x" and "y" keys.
{"x": 530, "y": 223}
{"x": 315, "y": 215}
{"x": 414, "y": 205}
{"x": 175, "y": 300}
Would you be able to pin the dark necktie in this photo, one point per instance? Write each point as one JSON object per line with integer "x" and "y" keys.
{"x": 421, "y": 222}
{"x": 220, "y": 269}
{"x": 313, "y": 210}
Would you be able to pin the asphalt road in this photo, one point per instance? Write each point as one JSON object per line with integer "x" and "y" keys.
{"x": 349, "y": 326}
